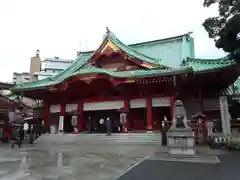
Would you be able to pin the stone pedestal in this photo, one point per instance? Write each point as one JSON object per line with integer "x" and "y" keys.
{"x": 180, "y": 137}
{"x": 225, "y": 116}
{"x": 181, "y": 141}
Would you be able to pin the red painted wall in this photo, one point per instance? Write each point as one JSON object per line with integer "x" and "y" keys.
{"x": 137, "y": 119}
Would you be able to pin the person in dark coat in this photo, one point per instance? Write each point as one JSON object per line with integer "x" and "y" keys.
{"x": 21, "y": 132}
{"x": 108, "y": 126}
{"x": 101, "y": 125}
{"x": 89, "y": 124}
{"x": 16, "y": 137}
{"x": 164, "y": 131}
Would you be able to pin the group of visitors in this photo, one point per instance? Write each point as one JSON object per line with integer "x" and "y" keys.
{"x": 104, "y": 125}
{"x": 22, "y": 132}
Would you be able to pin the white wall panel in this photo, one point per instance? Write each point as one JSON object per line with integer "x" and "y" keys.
{"x": 55, "y": 108}
{"x": 71, "y": 107}
{"x": 105, "y": 105}
{"x": 137, "y": 103}
{"x": 161, "y": 102}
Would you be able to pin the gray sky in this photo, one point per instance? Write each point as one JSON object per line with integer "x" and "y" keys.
{"x": 56, "y": 27}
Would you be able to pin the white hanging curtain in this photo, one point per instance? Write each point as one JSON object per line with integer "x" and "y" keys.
{"x": 11, "y": 116}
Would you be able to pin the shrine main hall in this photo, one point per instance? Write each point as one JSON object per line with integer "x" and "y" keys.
{"x": 137, "y": 82}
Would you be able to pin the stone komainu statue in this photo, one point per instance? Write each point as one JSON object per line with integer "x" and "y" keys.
{"x": 179, "y": 116}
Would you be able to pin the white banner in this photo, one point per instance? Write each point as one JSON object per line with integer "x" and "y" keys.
{"x": 55, "y": 108}
{"x": 61, "y": 119}
{"x": 71, "y": 107}
{"x": 161, "y": 102}
{"x": 104, "y": 105}
{"x": 138, "y": 103}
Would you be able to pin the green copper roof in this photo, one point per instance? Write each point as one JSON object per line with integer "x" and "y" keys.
{"x": 4, "y": 85}
{"x": 12, "y": 97}
{"x": 131, "y": 74}
{"x": 170, "y": 51}
{"x": 80, "y": 66}
{"x": 236, "y": 90}
{"x": 202, "y": 65}
{"x": 131, "y": 51}
{"x": 93, "y": 70}
{"x": 237, "y": 84}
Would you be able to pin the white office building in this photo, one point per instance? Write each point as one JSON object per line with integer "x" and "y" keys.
{"x": 52, "y": 66}
{"x": 19, "y": 78}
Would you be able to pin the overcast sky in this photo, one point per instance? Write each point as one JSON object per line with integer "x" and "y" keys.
{"x": 56, "y": 27}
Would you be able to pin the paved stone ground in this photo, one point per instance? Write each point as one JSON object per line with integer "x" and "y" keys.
{"x": 67, "y": 162}
{"x": 102, "y": 162}
{"x": 157, "y": 169}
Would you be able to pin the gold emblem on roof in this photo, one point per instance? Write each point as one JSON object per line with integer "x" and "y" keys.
{"x": 110, "y": 45}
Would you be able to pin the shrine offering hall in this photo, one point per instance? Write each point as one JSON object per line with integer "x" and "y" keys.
{"x": 137, "y": 83}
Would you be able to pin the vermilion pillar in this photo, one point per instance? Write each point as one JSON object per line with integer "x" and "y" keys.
{"x": 62, "y": 109}
{"x": 149, "y": 113}
{"x": 46, "y": 115}
{"x": 80, "y": 116}
{"x": 172, "y": 100}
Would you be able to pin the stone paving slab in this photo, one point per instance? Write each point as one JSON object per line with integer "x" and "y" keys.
{"x": 74, "y": 162}
{"x": 210, "y": 159}
{"x": 163, "y": 170}
{"x": 169, "y": 170}
{"x": 68, "y": 162}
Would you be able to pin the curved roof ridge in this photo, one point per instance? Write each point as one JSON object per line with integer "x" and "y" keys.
{"x": 149, "y": 42}
{"x": 112, "y": 35}
{"x": 131, "y": 73}
{"x": 73, "y": 67}
{"x": 48, "y": 79}
{"x": 161, "y": 40}
{"x": 142, "y": 56}
{"x": 224, "y": 60}
{"x": 79, "y": 62}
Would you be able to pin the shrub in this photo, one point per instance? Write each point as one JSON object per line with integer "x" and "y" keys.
{"x": 234, "y": 143}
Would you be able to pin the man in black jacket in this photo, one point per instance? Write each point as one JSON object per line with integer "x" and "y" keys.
{"x": 164, "y": 131}
{"x": 109, "y": 126}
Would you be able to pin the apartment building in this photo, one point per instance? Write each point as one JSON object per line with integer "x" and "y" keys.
{"x": 42, "y": 69}
{"x": 19, "y": 78}
{"x": 52, "y": 66}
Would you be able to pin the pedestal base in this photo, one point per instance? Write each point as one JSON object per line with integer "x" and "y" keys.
{"x": 181, "y": 142}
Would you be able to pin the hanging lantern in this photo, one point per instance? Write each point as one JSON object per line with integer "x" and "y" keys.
{"x": 74, "y": 120}
{"x": 238, "y": 36}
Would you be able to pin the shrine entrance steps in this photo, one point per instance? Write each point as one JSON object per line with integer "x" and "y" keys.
{"x": 94, "y": 139}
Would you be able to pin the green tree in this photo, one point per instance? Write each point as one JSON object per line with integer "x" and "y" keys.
{"x": 225, "y": 27}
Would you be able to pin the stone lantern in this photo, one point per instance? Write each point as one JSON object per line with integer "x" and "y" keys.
{"x": 180, "y": 137}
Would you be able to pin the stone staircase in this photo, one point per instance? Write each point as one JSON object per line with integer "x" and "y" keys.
{"x": 93, "y": 139}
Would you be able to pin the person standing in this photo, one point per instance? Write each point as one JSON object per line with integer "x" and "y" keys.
{"x": 25, "y": 129}
{"x": 122, "y": 121}
{"x": 21, "y": 134}
{"x": 164, "y": 131}
{"x": 89, "y": 124}
{"x": 108, "y": 125}
{"x": 101, "y": 124}
{"x": 31, "y": 135}
{"x": 209, "y": 126}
